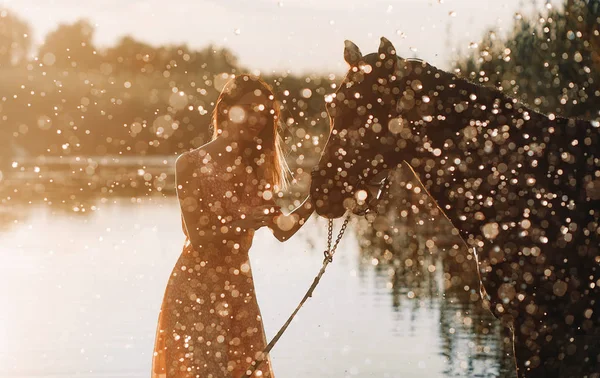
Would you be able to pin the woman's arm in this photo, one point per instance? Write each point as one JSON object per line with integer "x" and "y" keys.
{"x": 285, "y": 226}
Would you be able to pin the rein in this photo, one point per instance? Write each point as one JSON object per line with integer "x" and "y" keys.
{"x": 328, "y": 258}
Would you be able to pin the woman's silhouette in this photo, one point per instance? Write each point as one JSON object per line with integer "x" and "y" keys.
{"x": 210, "y": 323}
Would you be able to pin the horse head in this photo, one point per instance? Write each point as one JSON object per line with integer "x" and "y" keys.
{"x": 367, "y": 134}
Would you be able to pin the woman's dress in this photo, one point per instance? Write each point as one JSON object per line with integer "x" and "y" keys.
{"x": 210, "y": 324}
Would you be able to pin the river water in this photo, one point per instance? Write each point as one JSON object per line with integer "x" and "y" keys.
{"x": 81, "y": 292}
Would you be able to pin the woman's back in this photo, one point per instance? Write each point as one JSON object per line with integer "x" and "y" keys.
{"x": 210, "y": 322}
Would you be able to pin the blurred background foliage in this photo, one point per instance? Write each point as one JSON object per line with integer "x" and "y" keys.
{"x": 70, "y": 97}
{"x": 549, "y": 61}
{"x": 133, "y": 98}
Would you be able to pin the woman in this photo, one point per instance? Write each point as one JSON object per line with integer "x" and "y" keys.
{"x": 210, "y": 323}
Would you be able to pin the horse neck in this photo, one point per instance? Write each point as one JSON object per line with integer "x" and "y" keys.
{"x": 465, "y": 135}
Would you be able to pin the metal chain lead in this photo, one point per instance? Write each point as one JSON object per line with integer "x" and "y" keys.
{"x": 327, "y": 253}
{"x": 331, "y": 250}
{"x": 328, "y": 258}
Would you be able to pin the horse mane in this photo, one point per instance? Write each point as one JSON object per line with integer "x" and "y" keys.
{"x": 459, "y": 102}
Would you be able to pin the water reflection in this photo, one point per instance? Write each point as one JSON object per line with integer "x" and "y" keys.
{"x": 418, "y": 257}
{"x": 404, "y": 303}
{"x": 83, "y": 185}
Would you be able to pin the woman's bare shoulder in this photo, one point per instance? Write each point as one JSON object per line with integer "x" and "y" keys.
{"x": 189, "y": 161}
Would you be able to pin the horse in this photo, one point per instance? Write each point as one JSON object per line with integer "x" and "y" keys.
{"x": 519, "y": 187}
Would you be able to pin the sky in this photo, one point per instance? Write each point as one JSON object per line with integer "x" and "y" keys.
{"x": 296, "y": 35}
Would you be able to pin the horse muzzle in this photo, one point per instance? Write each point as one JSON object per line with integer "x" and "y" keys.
{"x": 327, "y": 194}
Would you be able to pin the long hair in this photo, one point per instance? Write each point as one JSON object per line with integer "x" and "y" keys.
{"x": 266, "y": 158}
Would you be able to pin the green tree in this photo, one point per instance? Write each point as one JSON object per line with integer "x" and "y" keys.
{"x": 550, "y": 61}
{"x": 15, "y": 39}
{"x": 130, "y": 55}
{"x": 215, "y": 59}
{"x": 70, "y": 46}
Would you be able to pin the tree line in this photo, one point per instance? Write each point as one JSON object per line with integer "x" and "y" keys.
{"x": 136, "y": 98}
{"x": 131, "y": 98}
{"x": 550, "y": 60}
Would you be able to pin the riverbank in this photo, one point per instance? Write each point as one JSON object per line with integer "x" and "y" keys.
{"x": 78, "y": 177}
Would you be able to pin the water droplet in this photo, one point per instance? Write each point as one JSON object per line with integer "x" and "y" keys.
{"x": 361, "y": 195}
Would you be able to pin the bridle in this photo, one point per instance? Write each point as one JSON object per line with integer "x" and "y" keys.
{"x": 382, "y": 186}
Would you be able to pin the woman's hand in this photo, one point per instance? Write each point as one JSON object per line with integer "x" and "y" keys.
{"x": 285, "y": 226}
{"x": 259, "y": 216}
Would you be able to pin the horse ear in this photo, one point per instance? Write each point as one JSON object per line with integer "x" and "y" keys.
{"x": 386, "y": 47}
{"x": 352, "y": 54}
{"x": 388, "y": 50}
